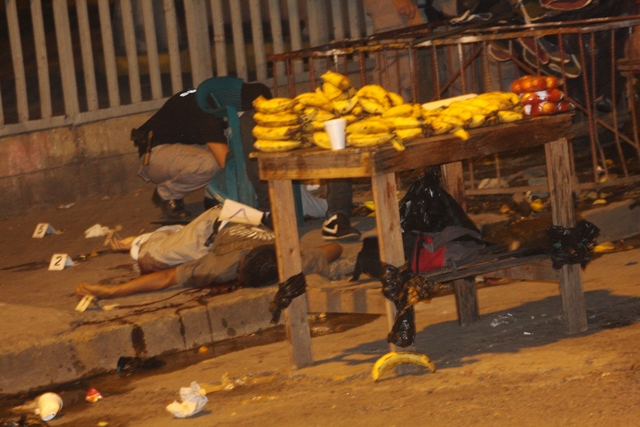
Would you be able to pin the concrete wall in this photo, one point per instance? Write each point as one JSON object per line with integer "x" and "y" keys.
{"x": 63, "y": 165}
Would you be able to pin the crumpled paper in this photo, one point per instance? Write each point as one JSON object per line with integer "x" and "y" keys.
{"x": 96, "y": 231}
{"x": 193, "y": 401}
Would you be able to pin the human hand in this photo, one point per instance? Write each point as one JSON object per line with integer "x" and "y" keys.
{"x": 406, "y": 8}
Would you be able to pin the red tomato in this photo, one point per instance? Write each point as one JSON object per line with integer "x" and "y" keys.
{"x": 529, "y": 98}
{"x": 538, "y": 83}
{"x": 526, "y": 83}
{"x": 547, "y": 108}
{"x": 552, "y": 81}
{"x": 564, "y": 106}
{"x": 516, "y": 87}
{"x": 551, "y": 95}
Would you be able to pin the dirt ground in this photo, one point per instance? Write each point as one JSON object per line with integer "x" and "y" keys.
{"x": 516, "y": 366}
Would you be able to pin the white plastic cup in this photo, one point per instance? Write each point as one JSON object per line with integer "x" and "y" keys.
{"x": 335, "y": 128}
{"x": 48, "y": 406}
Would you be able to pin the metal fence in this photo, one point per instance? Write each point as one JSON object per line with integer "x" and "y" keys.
{"x": 589, "y": 57}
{"x": 66, "y": 63}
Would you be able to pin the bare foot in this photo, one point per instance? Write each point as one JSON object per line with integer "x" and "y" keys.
{"x": 121, "y": 245}
{"x": 99, "y": 291}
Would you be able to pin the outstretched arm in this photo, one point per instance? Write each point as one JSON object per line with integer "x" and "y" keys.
{"x": 147, "y": 283}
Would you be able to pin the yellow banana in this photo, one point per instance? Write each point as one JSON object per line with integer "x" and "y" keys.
{"x": 404, "y": 110}
{"x": 345, "y": 106}
{"x": 276, "y": 119}
{"x": 407, "y": 134}
{"x": 506, "y": 96}
{"x": 321, "y": 139}
{"x": 299, "y": 108}
{"x": 371, "y": 106}
{"x": 491, "y": 107}
{"x": 460, "y": 113}
{"x": 351, "y": 92}
{"x": 509, "y": 116}
{"x": 357, "y": 110}
{"x": 369, "y": 126}
{"x": 313, "y": 126}
{"x": 395, "y": 358}
{"x": 350, "y": 118}
{"x": 403, "y": 122}
{"x": 439, "y": 127}
{"x": 331, "y": 91}
{"x": 417, "y": 111}
{"x": 454, "y": 120}
{"x": 275, "y": 133}
{"x": 314, "y": 99}
{"x": 275, "y": 146}
{"x": 341, "y": 81}
{"x": 274, "y": 105}
{"x": 308, "y": 114}
{"x": 462, "y": 134}
{"x": 377, "y": 93}
{"x": 397, "y": 143}
{"x": 368, "y": 140}
{"x": 324, "y": 115}
{"x": 433, "y": 112}
{"x": 477, "y": 120}
{"x": 395, "y": 99}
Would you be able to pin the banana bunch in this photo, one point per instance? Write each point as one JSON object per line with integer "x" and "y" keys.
{"x": 485, "y": 109}
{"x": 395, "y": 358}
{"x": 277, "y": 126}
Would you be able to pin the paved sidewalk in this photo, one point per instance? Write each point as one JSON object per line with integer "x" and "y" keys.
{"x": 45, "y": 342}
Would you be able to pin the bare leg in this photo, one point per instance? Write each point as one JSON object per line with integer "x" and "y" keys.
{"x": 146, "y": 283}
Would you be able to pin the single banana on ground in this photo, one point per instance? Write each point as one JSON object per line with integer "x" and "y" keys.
{"x": 368, "y": 139}
{"x": 396, "y": 99}
{"x": 407, "y": 134}
{"x": 341, "y": 81}
{"x": 268, "y": 146}
{"x": 369, "y": 126}
{"x": 404, "y": 110}
{"x": 276, "y": 119}
{"x": 321, "y": 139}
{"x": 395, "y": 358}
{"x": 403, "y": 122}
{"x": 371, "y": 106}
{"x": 273, "y": 105}
{"x": 345, "y": 106}
{"x": 275, "y": 133}
{"x": 377, "y": 93}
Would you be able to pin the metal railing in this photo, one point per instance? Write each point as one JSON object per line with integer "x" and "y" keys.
{"x": 66, "y": 63}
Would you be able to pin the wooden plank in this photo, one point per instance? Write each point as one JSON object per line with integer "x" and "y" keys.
{"x": 109, "y": 53}
{"x": 218, "y": 38}
{"x": 466, "y": 300}
{"x": 257, "y": 33}
{"x": 152, "y": 48}
{"x": 295, "y": 33}
{"x": 86, "y": 48}
{"x": 275, "y": 18}
{"x": 65, "y": 57}
{"x": 383, "y": 187}
{"x": 195, "y": 31}
{"x": 238, "y": 39}
{"x": 173, "y": 46}
{"x": 562, "y": 213}
{"x": 453, "y": 182}
{"x": 289, "y": 264}
{"x": 40, "y": 42}
{"x": 133, "y": 68}
{"x": 536, "y": 270}
{"x": 17, "y": 60}
{"x": 337, "y": 19}
{"x": 350, "y": 163}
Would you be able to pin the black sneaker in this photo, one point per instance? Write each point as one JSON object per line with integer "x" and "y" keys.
{"x": 339, "y": 227}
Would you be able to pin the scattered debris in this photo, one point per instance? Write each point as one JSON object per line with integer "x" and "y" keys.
{"x": 193, "y": 400}
{"x": 93, "y": 395}
{"x": 48, "y": 406}
{"x": 128, "y": 365}
{"x": 67, "y": 206}
{"x": 96, "y": 230}
{"x": 503, "y": 320}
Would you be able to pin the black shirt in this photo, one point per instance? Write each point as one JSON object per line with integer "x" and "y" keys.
{"x": 181, "y": 120}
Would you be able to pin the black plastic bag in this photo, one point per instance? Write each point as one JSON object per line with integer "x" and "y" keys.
{"x": 572, "y": 245}
{"x": 427, "y": 207}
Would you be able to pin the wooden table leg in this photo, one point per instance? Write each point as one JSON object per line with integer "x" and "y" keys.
{"x": 465, "y": 289}
{"x": 385, "y": 199}
{"x": 289, "y": 264}
{"x": 562, "y": 212}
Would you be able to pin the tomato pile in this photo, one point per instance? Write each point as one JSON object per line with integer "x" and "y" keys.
{"x": 540, "y": 95}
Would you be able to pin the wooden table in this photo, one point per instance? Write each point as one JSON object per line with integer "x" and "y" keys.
{"x": 381, "y": 164}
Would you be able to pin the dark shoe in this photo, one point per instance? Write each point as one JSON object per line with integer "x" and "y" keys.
{"x": 259, "y": 267}
{"x": 174, "y": 209}
{"x": 338, "y": 227}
